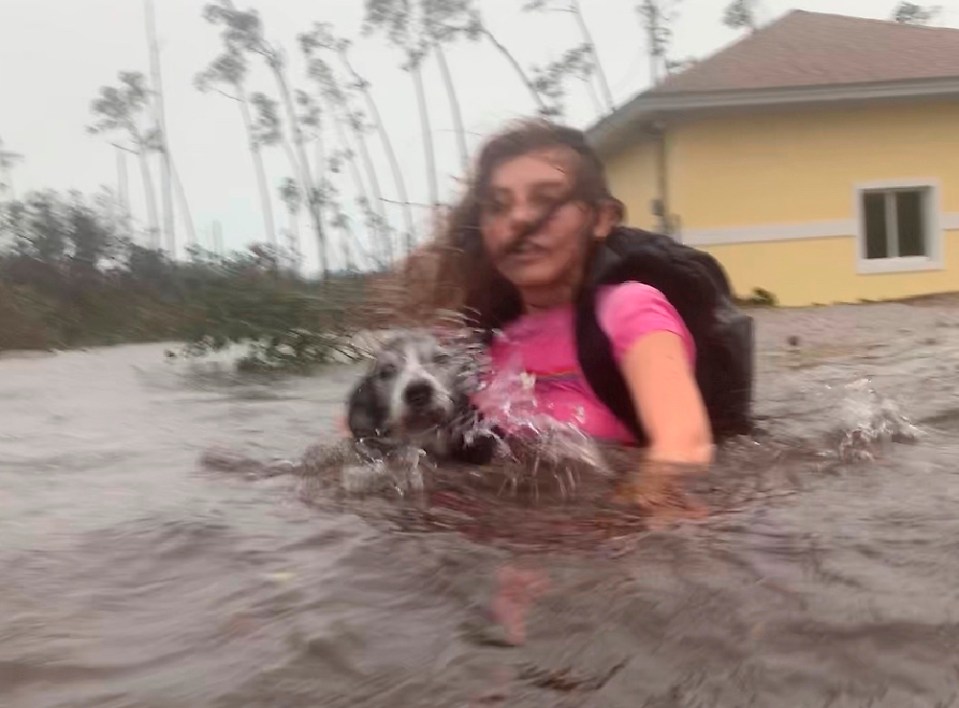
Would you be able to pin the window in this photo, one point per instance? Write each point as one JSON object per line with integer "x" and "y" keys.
{"x": 898, "y": 227}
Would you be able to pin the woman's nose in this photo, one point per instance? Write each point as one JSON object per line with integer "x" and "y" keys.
{"x": 521, "y": 215}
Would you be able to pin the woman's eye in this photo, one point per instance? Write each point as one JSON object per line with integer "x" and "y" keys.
{"x": 545, "y": 203}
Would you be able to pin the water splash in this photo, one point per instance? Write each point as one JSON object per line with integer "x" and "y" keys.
{"x": 533, "y": 449}
{"x": 535, "y": 454}
{"x": 540, "y": 447}
{"x": 351, "y": 468}
{"x": 870, "y": 422}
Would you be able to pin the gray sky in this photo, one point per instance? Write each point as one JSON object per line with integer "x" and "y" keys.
{"x": 55, "y": 54}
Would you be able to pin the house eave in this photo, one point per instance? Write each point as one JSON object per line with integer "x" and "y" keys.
{"x": 651, "y": 105}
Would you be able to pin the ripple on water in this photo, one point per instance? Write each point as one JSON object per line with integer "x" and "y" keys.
{"x": 133, "y": 576}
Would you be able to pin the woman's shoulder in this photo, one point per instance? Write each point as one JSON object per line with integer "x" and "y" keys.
{"x": 630, "y": 294}
{"x": 627, "y": 311}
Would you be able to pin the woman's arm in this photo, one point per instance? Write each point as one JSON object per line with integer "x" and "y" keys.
{"x": 667, "y": 400}
{"x": 664, "y": 390}
{"x": 656, "y": 355}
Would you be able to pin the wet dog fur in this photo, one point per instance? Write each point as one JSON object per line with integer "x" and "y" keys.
{"x": 416, "y": 393}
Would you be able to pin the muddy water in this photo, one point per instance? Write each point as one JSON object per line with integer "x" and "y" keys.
{"x": 828, "y": 574}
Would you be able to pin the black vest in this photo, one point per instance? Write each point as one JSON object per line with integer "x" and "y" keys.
{"x": 697, "y": 286}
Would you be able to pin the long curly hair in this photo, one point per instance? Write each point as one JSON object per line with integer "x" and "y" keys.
{"x": 453, "y": 272}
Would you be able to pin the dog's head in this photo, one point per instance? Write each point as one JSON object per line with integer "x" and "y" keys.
{"x": 415, "y": 386}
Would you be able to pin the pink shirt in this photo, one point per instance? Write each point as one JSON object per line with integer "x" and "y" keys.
{"x": 541, "y": 349}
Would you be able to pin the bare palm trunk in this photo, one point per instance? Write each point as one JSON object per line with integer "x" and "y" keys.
{"x": 291, "y": 157}
{"x": 653, "y": 22}
{"x": 588, "y": 37}
{"x": 294, "y": 226}
{"x": 594, "y": 97}
{"x": 160, "y": 116}
{"x": 296, "y": 247}
{"x": 293, "y": 240}
{"x": 306, "y": 182}
{"x": 150, "y": 198}
{"x": 218, "y": 238}
{"x": 360, "y": 189}
{"x": 398, "y": 180}
{"x": 266, "y": 202}
{"x": 319, "y": 155}
{"x": 184, "y": 206}
{"x": 340, "y": 109}
{"x": 378, "y": 206}
{"x": 455, "y": 111}
{"x": 348, "y": 257}
{"x": 320, "y": 181}
{"x": 123, "y": 183}
{"x": 516, "y": 67}
{"x": 416, "y": 70}
{"x": 346, "y": 241}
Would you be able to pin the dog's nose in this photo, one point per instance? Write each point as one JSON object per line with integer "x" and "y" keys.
{"x": 418, "y": 394}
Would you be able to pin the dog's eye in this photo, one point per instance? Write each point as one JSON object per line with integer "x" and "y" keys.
{"x": 387, "y": 371}
{"x": 441, "y": 358}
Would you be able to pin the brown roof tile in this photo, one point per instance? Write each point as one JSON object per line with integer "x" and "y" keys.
{"x": 809, "y": 49}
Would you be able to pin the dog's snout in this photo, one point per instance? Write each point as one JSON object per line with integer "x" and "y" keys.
{"x": 418, "y": 394}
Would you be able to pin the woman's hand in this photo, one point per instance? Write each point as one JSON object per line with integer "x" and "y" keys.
{"x": 658, "y": 488}
{"x": 671, "y": 410}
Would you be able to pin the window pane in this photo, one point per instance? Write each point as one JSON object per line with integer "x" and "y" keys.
{"x": 909, "y": 216}
{"x": 874, "y": 209}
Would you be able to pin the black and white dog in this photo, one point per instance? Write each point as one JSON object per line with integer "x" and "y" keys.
{"x": 416, "y": 393}
{"x": 414, "y": 399}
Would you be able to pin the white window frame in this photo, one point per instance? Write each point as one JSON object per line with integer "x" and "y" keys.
{"x": 933, "y": 222}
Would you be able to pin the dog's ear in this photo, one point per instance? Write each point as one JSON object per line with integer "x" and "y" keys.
{"x": 366, "y": 413}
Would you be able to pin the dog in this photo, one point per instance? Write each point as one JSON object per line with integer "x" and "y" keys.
{"x": 411, "y": 410}
{"x": 416, "y": 394}
{"x": 411, "y": 406}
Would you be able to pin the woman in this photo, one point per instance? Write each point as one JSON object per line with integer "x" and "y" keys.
{"x": 515, "y": 255}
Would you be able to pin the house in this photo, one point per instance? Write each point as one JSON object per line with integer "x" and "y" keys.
{"x": 816, "y": 158}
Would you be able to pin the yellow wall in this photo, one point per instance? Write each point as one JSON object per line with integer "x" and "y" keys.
{"x": 632, "y": 176}
{"x": 823, "y": 271}
{"x": 784, "y": 168}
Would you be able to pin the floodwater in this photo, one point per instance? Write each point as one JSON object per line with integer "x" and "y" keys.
{"x": 827, "y": 574}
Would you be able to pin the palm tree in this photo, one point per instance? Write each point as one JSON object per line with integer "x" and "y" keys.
{"x": 117, "y": 109}
{"x": 162, "y": 139}
{"x": 550, "y": 79}
{"x": 322, "y": 37}
{"x": 399, "y": 19}
{"x": 230, "y": 70}
{"x": 291, "y": 196}
{"x": 343, "y": 114}
{"x": 909, "y": 13}
{"x": 656, "y": 16}
{"x": 740, "y": 14}
{"x": 574, "y": 8}
{"x": 245, "y": 30}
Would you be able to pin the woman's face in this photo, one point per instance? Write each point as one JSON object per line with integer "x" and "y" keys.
{"x": 521, "y": 191}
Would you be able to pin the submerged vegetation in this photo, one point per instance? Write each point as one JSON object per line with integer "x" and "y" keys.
{"x": 70, "y": 276}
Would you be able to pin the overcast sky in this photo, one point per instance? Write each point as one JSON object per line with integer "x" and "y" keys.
{"x": 55, "y": 54}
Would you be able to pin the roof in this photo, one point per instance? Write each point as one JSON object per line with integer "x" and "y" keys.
{"x": 803, "y": 57}
{"x": 810, "y": 48}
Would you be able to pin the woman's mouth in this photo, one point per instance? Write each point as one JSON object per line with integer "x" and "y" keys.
{"x": 524, "y": 251}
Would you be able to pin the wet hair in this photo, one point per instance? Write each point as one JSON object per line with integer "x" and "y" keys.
{"x": 459, "y": 274}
